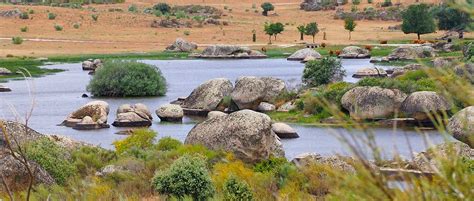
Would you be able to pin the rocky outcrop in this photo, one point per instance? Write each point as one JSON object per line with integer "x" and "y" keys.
{"x": 247, "y": 134}
{"x": 21, "y": 133}
{"x": 286, "y": 107}
{"x": 229, "y": 52}
{"x": 171, "y": 23}
{"x": 136, "y": 115}
{"x": 429, "y": 160}
{"x": 4, "y": 89}
{"x": 461, "y": 126}
{"x": 370, "y": 72}
{"x": 181, "y": 45}
{"x": 266, "y": 107}
{"x": 304, "y": 53}
{"x": 249, "y": 91}
{"x": 335, "y": 162}
{"x": 170, "y": 113}
{"x": 354, "y": 52}
{"x": 4, "y": 71}
{"x": 372, "y": 102}
{"x": 92, "y": 115}
{"x": 283, "y": 131}
{"x": 91, "y": 64}
{"x": 422, "y": 103}
{"x": 207, "y": 96}
{"x": 316, "y": 5}
{"x": 411, "y": 53}
{"x": 410, "y": 67}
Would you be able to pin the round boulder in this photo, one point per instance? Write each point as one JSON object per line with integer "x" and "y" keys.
{"x": 461, "y": 126}
{"x": 370, "y": 72}
{"x": 422, "y": 103}
{"x": 411, "y": 53}
{"x": 273, "y": 88}
{"x": 170, "y": 112}
{"x": 92, "y": 115}
{"x": 283, "y": 130}
{"x": 266, "y": 107}
{"x": 248, "y": 92}
{"x": 372, "y": 102}
{"x": 136, "y": 115}
{"x": 247, "y": 134}
{"x": 300, "y": 55}
{"x": 354, "y": 52}
{"x": 208, "y": 95}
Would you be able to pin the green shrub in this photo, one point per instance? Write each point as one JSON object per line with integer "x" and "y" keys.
{"x": 356, "y": 2}
{"x": 95, "y": 17}
{"x": 168, "y": 143}
{"x": 24, "y": 16}
{"x": 370, "y": 1}
{"x": 51, "y": 16}
{"x": 76, "y": 25}
{"x": 387, "y": 3}
{"x": 408, "y": 83}
{"x": 180, "y": 15}
{"x": 52, "y": 158}
{"x": 24, "y": 29}
{"x": 58, "y": 27}
{"x": 187, "y": 176}
{"x": 323, "y": 71}
{"x": 132, "y": 8}
{"x": 235, "y": 190}
{"x": 269, "y": 165}
{"x": 31, "y": 11}
{"x": 17, "y": 40}
{"x": 88, "y": 159}
{"x": 333, "y": 92}
{"x": 140, "y": 138}
{"x": 187, "y": 33}
{"x": 127, "y": 78}
{"x": 162, "y": 7}
{"x": 158, "y": 13}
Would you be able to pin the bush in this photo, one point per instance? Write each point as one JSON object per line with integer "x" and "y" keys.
{"x": 132, "y": 8}
{"x": 88, "y": 159}
{"x": 267, "y": 6}
{"x": 52, "y": 158}
{"x": 51, "y": 16}
{"x": 168, "y": 143}
{"x": 408, "y": 83}
{"x": 387, "y": 3}
{"x": 95, "y": 17}
{"x": 162, "y": 7}
{"x": 58, "y": 27}
{"x": 323, "y": 71}
{"x": 370, "y": 1}
{"x": 187, "y": 176}
{"x": 76, "y": 25}
{"x": 180, "y": 15}
{"x": 235, "y": 190}
{"x": 269, "y": 165}
{"x": 127, "y": 78}
{"x": 140, "y": 139}
{"x": 31, "y": 12}
{"x": 24, "y": 29}
{"x": 187, "y": 33}
{"x": 24, "y": 16}
{"x": 17, "y": 40}
{"x": 356, "y": 2}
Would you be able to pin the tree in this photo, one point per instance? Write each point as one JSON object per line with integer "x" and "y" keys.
{"x": 350, "y": 25}
{"x": 267, "y": 6}
{"x": 452, "y": 19}
{"x": 324, "y": 71}
{"x": 312, "y": 29}
{"x": 302, "y": 30}
{"x": 417, "y": 19}
{"x": 273, "y": 29}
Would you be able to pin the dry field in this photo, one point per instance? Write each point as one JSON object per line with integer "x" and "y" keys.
{"x": 131, "y": 32}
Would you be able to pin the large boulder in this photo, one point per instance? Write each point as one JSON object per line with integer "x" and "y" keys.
{"x": 91, "y": 64}
{"x": 304, "y": 53}
{"x": 247, "y": 134}
{"x": 208, "y": 95}
{"x": 421, "y": 104}
{"x": 370, "y": 72}
{"x": 250, "y": 91}
{"x": 181, "y": 45}
{"x": 461, "y": 126}
{"x": 336, "y": 162}
{"x": 283, "y": 130}
{"x": 429, "y": 160}
{"x": 170, "y": 112}
{"x": 372, "y": 102}
{"x": 136, "y": 115}
{"x": 411, "y": 53}
{"x": 229, "y": 51}
{"x": 20, "y": 132}
{"x": 266, "y": 107}
{"x": 354, "y": 52}
{"x": 92, "y": 115}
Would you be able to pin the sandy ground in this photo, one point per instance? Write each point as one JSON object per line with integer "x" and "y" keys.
{"x": 116, "y": 32}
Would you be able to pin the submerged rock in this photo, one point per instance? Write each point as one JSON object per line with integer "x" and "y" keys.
{"x": 283, "y": 131}
{"x": 170, "y": 112}
{"x": 4, "y": 89}
{"x": 91, "y": 64}
{"x": 372, "y": 102}
{"x": 422, "y": 103}
{"x": 92, "y": 115}
{"x": 461, "y": 126}
{"x": 247, "y": 134}
{"x": 303, "y": 53}
{"x": 136, "y": 115}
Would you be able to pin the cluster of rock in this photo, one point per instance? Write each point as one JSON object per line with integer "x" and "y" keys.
{"x": 411, "y": 53}
{"x": 181, "y": 45}
{"x": 171, "y": 23}
{"x": 370, "y": 72}
{"x": 354, "y": 52}
{"x": 316, "y": 5}
{"x": 10, "y": 13}
{"x": 229, "y": 52}
{"x": 136, "y": 115}
{"x": 91, "y": 64}
{"x": 92, "y": 115}
{"x": 402, "y": 70}
{"x": 199, "y": 10}
{"x": 370, "y": 13}
{"x": 306, "y": 54}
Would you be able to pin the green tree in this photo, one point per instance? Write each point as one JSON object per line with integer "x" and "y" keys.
{"x": 302, "y": 30}
{"x": 452, "y": 19}
{"x": 163, "y": 8}
{"x": 273, "y": 29}
{"x": 323, "y": 71}
{"x": 417, "y": 19}
{"x": 350, "y": 25}
{"x": 267, "y": 6}
{"x": 312, "y": 29}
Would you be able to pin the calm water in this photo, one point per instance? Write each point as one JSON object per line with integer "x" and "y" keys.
{"x": 60, "y": 94}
